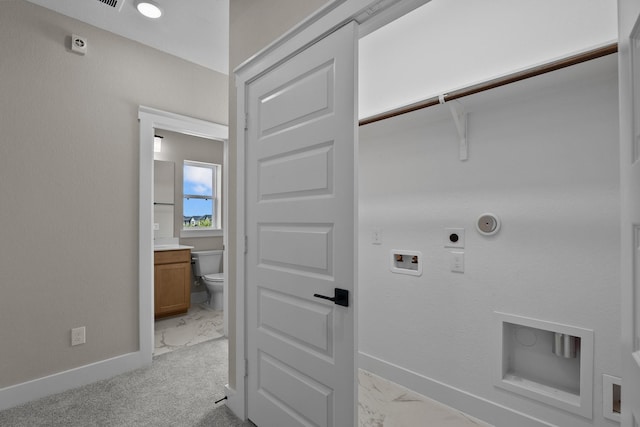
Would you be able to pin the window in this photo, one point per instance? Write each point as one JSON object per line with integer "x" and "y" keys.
{"x": 201, "y": 197}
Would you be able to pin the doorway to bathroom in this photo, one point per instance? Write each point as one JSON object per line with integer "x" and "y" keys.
{"x": 187, "y": 212}
{"x": 176, "y": 142}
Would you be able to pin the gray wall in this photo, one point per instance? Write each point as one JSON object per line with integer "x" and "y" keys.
{"x": 69, "y": 184}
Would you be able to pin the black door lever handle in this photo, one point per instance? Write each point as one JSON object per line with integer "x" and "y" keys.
{"x": 341, "y": 297}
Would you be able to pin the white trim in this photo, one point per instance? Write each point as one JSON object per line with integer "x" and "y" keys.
{"x": 207, "y": 232}
{"x": 225, "y": 228}
{"x": 150, "y": 120}
{"x": 328, "y": 18}
{"x": 373, "y": 14}
{"x": 62, "y": 381}
{"x": 237, "y": 401}
{"x": 478, "y": 407}
{"x": 372, "y": 22}
{"x": 183, "y": 124}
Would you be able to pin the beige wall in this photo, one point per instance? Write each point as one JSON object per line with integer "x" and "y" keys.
{"x": 252, "y": 26}
{"x": 69, "y": 184}
{"x": 176, "y": 148}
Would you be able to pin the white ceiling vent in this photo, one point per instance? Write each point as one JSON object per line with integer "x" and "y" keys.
{"x": 116, "y": 4}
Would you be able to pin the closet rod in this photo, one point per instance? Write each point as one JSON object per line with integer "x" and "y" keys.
{"x": 497, "y": 82}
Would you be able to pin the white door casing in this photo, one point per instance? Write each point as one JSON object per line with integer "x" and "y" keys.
{"x": 151, "y": 119}
{"x": 629, "y": 82}
{"x": 300, "y": 226}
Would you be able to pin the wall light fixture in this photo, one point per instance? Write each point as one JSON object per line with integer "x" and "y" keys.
{"x": 157, "y": 144}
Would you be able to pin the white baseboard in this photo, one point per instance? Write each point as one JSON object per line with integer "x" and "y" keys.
{"x": 41, "y": 387}
{"x": 478, "y": 407}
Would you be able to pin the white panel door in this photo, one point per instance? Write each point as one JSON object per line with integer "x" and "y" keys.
{"x": 300, "y": 213}
{"x": 629, "y": 61}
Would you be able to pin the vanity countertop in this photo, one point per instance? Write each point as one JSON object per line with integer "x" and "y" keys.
{"x": 170, "y": 247}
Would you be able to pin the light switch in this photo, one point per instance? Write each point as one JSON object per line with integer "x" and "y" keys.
{"x": 457, "y": 261}
{"x": 156, "y": 226}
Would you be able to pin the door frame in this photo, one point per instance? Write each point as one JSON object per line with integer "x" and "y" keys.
{"x": 369, "y": 15}
{"x": 151, "y": 119}
{"x": 628, "y": 35}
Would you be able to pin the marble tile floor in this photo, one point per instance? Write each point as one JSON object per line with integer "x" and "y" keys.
{"x": 198, "y": 325}
{"x": 382, "y": 403}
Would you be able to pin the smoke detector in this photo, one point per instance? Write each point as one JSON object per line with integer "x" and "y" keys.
{"x": 78, "y": 44}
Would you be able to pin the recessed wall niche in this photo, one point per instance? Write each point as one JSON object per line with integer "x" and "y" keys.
{"x": 548, "y": 362}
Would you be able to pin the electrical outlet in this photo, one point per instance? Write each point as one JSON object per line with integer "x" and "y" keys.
{"x": 78, "y": 336}
{"x": 376, "y": 236}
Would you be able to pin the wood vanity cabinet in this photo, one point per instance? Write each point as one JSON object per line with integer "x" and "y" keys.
{"x": 172, "y": 282}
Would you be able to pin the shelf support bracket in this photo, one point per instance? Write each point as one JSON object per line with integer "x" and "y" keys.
{"x": 460, "y": 120}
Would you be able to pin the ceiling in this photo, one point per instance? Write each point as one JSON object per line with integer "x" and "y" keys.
{"x": 194, "y": 30}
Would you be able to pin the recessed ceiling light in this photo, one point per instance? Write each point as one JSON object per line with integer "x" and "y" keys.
{"x": 149, "y": 9}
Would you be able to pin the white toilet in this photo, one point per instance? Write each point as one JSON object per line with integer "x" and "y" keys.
{"x": 207, "y": 268}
